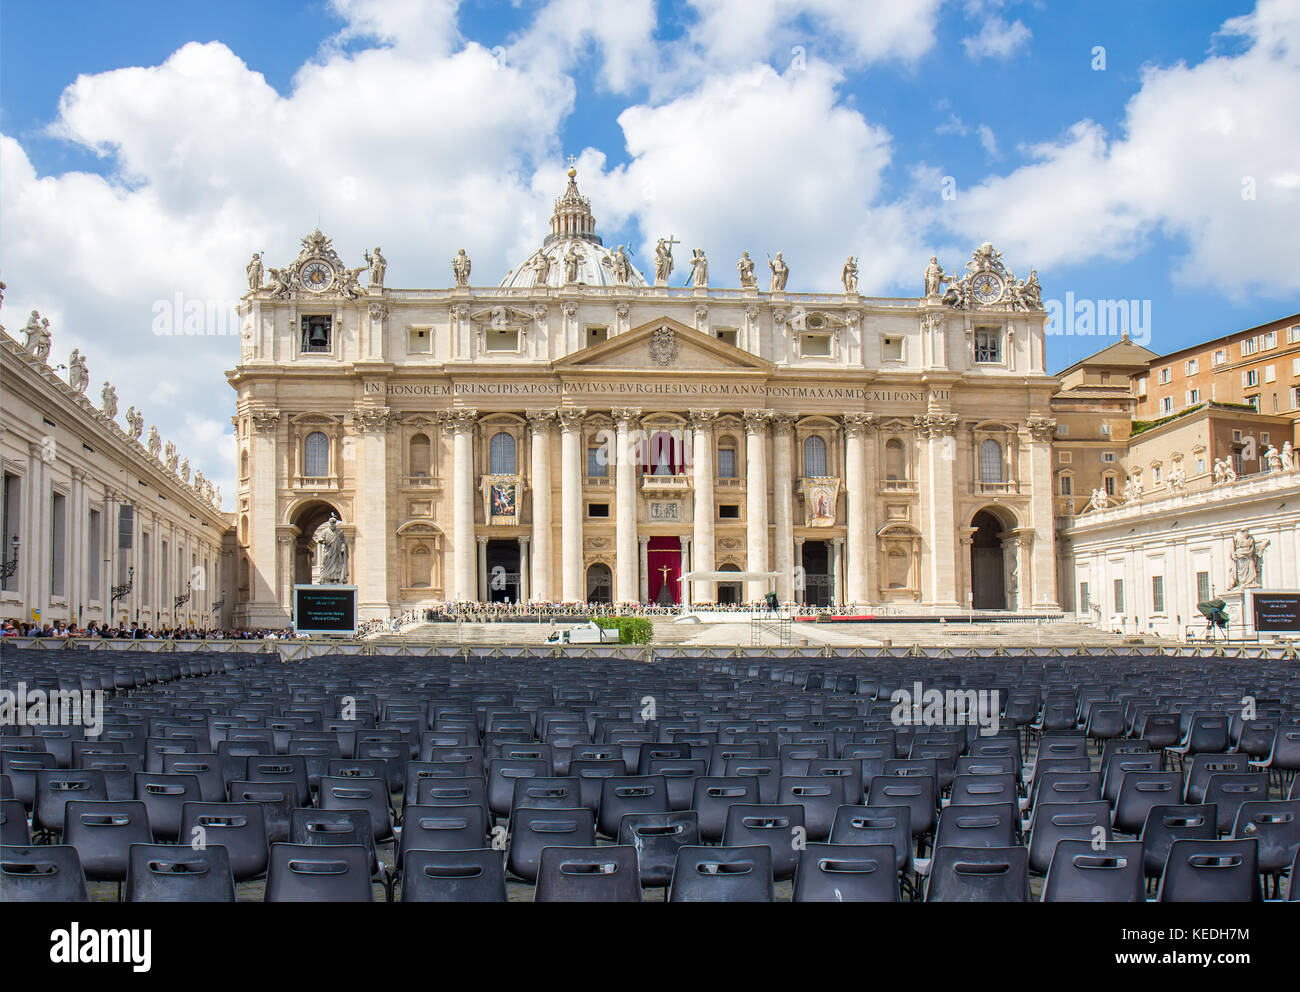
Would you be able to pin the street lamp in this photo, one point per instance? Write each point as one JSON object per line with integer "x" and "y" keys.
{"x": 121, "y": 592}
{"x": 182, "y": 600}
{"x": 10, "y": 565}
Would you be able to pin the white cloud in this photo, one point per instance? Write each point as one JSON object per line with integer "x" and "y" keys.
{"x": 997, "y": 39}
{"x": 1193, "y": 138}
{"x": 988, "y": 140}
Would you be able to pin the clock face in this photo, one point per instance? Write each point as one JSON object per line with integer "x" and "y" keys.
{"x": 986, "y": 287}
{"x": 317, "y": 276}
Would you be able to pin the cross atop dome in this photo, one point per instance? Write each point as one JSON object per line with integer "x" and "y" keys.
{"x": 572, "y": 216}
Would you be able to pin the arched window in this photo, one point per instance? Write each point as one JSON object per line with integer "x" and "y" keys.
{"x": 990, "y": 462}
{"x": 501, "y": 454}
{"x": 895, "y": 461}
{"x": 727, "y": 458}
{"x": 814, "y": 457}
{"x": 663, "y": 453}
{"x": 316, "y": 455}
{"x": 421, "y": 456}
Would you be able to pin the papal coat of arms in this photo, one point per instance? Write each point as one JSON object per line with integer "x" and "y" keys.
{"x": 663, "y": 346}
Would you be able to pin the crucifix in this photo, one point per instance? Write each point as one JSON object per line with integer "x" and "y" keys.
{"x": 573, "y": 159}
{"x": 665, "y": 598}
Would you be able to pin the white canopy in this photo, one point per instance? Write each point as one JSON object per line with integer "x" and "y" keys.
{"x": 730, "y": 576}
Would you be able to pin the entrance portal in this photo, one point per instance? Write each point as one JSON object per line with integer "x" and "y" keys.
{"x": 817, "y": 578}
{"x": 987, "y": 571}
{"x": 503, "y": 571}
{"x": 308, "y": 521}
{"x": 664, "y": 570}
{"x": 729, "y": 592}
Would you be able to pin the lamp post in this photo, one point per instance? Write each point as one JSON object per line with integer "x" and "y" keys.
{"x": 10, "y": 565}
{"x": 182, "y": 600}
{"x": 122, "y": 591}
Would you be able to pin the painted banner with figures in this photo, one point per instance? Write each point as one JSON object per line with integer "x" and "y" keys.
{"x": 819, "y": 496}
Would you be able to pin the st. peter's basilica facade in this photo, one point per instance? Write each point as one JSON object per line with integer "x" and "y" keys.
{"x": 583, "y": 432}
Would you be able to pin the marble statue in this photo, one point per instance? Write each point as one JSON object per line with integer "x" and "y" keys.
{"x": 572, "y": 259}
{"x": 622, "y": 267}
{"x": 1247, "y": 558}
{"x": 699, "y": 278}
{"x": 780, "y": 273}
{"x": 849, "y": 275}
{"x": 1132, "y": 490}
{"x": 155, "y": 441}
{"x": 1288, "y": 457}
{"x": 663, "y": 261}
{"x": 108, "y": 400}
{"x": 334, "y": 551}
{"x": 281, "y": 281}
{"x": 1273, "y": 459}
{"x": 38, "y": 336}
{"x": 746, "y": 266}
{"x": 378, "y": 266}
{"x": 1177, "y": 478}
{"x": 199, "y": 480}
{"x": 1229, "y": 471}
{"x": 934, "y": 277}
{"x": 185, "y": 471}
{"x": 1217, "y": 471}
{"x": 460, "y": 266}
{"x": 169, "y": 457}
{"x": 78, "y": 375}
{"x": 216, "y": 497}
{"x": 1030, "y": 293}
{"x": 1098, "y": 501}
{"x": 255, "y": 272}
{"x": 134, "y": 423}
{"x": 349, "y": 282}
{"x": 541, "y": 268}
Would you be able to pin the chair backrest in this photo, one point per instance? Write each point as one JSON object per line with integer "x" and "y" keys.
{"x": 624, "y": 794}
{"x": 49, "y": 873}
{"x": 453, "y": 876}
{"x": 722, "y": 874}
{"x": 333, "y": 828}
{"x": 979, "y": 874}
{"x": 164, "y": 795}
{"x": 102, "y": 832}
{"x": 1211, "y": 871}
{"x": 548, "y": 792}
{"x": 779, "y": 827}
{"x": 55, "y": 787}
{"x": 369, "y": 794}
{"x": 1055, "y": 822}
{"x": 982, "y": 789}
{"x": 14, "y": 831}
{"x": 1079, "y": 872}
{"x": 1228, "y": 791}
{"x": 442, "y": 828}
{"x": 588, "y": 874}
{"x": 1166, "y": 824}
{"x": 1139, "y": 792}
{"x": 1202, "y": 767}
{"x": 714, "y": 794}
{"x": 847, "y": 873}
{"x": 917, "y": 793}
{"x": 308, "y": 873}
{"x": 533, "y": 830}
{"x": 178, "y": 873}
{"x": 656, "y": 838}
{"x": 874, "y": 825}
{"x": 1275, "y": 824}
{"x": 994, "y": 825}
{"x": 238, "y": 827}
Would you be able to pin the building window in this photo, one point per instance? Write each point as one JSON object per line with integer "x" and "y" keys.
{"x": 597, "y": 335}
{"x": 421, "y": 456}
{"x": 895, "y": 461}
{"x": 727, "y": 460}
{"x": 1108, "y": 483}
{"x": 1295, "y": 397}
{"x": 1270, "y": 373}
{"x": 1105, "y": 428}
{"x": 1167, "y": 405}
{"x": 1220, "y": 357}
{"x": 990, "y": 462}
{"x": 814, "y": 457}
{"x": 727, "y": 335}
{"x": 1155, "y": 474}
{"x": 1108, "y": 456}
{"x": 1119, "y": 595}
{"x": 1293, "y": 334}
{"x": 598, "y": 510}
{"x": 1157, "y": 594}
{"x": 988, "y": 345}
{"x": 1066, "y": 457}
{"x": 501, "y": 454}
{"x": 1063, "y": 430}
{"x": 891, "y": 349}
{"x": 12, "y": 504}
{"x": 93, "y": 554}
{"x": 1249, "y": 346}
{"x": 1067, "y": 485}
{"x": 1193, "y": 397}
{"x": 729, "y": 511}
{"x": 1270, "y": 339}
{"x": 1166, "y": 375}
{"x": 1085, "y": 603}
{"x": 1142, "y": 385}
{"x": 316, "y": 334}
{"x": 596, "y": 462}
{"x": 815, "y": 346}
{"x": 58, "y": 551}
{"x": 1193, "y": 366}
{"x": 1202, "y": 586}
{"x": 419, "y": 341}
{"x": 316, "y": 455}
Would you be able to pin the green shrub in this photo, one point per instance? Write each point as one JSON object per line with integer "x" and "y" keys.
{"x": 631, "y": 630}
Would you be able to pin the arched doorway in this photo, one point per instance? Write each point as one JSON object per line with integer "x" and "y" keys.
{"x": 729, "y": 592}
{"x": 600, "y": 584}
{"x": 987, "y": 566}
{"x": 308, "y": 519}
{"x": 664, "y": 570}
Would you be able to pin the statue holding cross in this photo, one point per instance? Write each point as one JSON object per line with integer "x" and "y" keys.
{"x": 665, "y": 597}
{"x": 664, "y": 259}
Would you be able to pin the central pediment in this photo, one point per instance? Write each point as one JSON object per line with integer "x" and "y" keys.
{"x": 664, "y": 345}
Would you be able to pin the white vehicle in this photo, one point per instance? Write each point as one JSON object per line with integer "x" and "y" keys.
{"x": 586, "y": 633}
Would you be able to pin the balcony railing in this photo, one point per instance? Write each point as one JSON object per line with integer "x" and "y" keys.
{"x": 665, "y": 483}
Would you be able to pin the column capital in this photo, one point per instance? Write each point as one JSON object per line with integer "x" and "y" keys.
{"x": 539, "y": 421}
{"x": 756, "y": 421}
{"x": 1040, "y": 428}
{"x": 626, "y": 416}
{"x": 373, "y": 419}
{"x": 524, "y": 539}
{"x": 482, "y": 539}
{"x": 859, "y": 424}
{"x": 571, "y": 418}
{"x": 702, "y": 420}
{"x": 935, "y": 425}
{"x": 265, "y": 419}
{"x": 462, "y": 421}
{"x": 783, "y": 421}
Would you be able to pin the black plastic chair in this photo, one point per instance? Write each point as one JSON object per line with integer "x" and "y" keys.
{"x": 1078, "y": 872}
{"x": 1140, "y": 792}
{"x": 978, "y": 826}
{"x": 1275, "y": 825}
{"x": 103, "y": 832}
{"x": 56, "y": 787}
{"x": 238, "y": 827}
{"x": 307, "y": 873}
{"x": 620, "y": 795}
{"x": 370, "y": 794}
{"x": 722, "y": 874}
{"x": 778, "y": 827}
{"x": 453, "y": 876}
{"x": 14, "y": 831}
{"x": 714, "y": 795}
{"x": 1167, "y": 824}
{"x": 657, "y": 837}
{"x": 534, "y": 830}
{"x": 874, "y": 825}
{"x": 178, "y": 873}
{"x": 1055, "y": 822}
{"x": 1211, "y": 871}
{"x": 847, "y": 873}
{"x": 49, "y": 873}
{"x": 979, "y": 874}
{"x": 441, "y": 828}
{"x": 588, "y": 874}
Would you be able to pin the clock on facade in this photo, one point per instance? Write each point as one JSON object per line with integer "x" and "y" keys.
{"x": 986, "y": 287}
{"x": 317, "y": 276}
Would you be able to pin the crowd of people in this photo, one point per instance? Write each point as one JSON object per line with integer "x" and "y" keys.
{"x": 477, "y": 612}
{"x": 143, "y": 632}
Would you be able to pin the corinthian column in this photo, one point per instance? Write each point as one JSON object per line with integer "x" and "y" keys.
{"x": 702, "y": 473}
{"x": 625, "y": 550}
{"x": 539, "y": 422}
{"x": 571, "y": 588}
{"x": 462, "y": 423}
{"x": 856, "y": 426}
{"x": 756, "y": 422}
{"x": 782, "y": 506}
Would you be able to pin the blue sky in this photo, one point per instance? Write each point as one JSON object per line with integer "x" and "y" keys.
{"x": 820, "y": 127}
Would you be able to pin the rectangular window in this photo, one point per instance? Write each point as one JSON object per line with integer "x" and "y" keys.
{"x": 988, "y": 345}
{"x": 1293, "y": 334}
{"x": 93, "y": 555}
{"x": 726, "y": 463}
{"x": 1166, "y": 375}
{"x": 1200, "y": 464}
{"x": 419, "y": 341}
{"x": 1105, "y": 428}
{"x": 1270, "y": 339}
{"x": 1167, "y": 405}
{"x": 316, "y": 330}
{"x": 598, "y": 509}
{"x": 1193, "y": 397}
{"x": 12, "y": 522}
{"x": 727, "y": 335}
{"x": 597, "y": 335}
{"x": 1142, "y": 386}
{"x": 1270, "y": 373}
{"x": 1253, "y": 401}
{"x": 1202, "y": 586}
{"x": 729, "y": 511}
{"x": 1155, "y": 474}
{"x": 1295, "y": 366}
{"x": 1193, "y": 366}
{"x": 891, "y": 349}
{"x": 1067, "y": 457}
{"x": 1109, "y": 484}
{"x": 501, "y": 339}
{"x": 1108, "y": 456}
{"x": 1263, "y": 439}
{"x": 1250, "y": 377}
{"x": 1063, "y": 430}
{"x": 1157, "y": 594}
{"x": 1067, "y": 485}
{"x": 816, "y": 346}
{"x": 1085, "y": 603}
{"x": 58, "y": 540}
{"x": 1249, "y": 346}
{"x": 596, "y": 466}
{"x": 1119, "y": 595}
{"x": 1295, "y": 397}
{"x": 1220, "y": 357}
